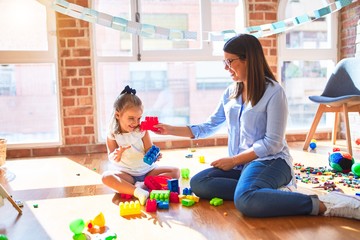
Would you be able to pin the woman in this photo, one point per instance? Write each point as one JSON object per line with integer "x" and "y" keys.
{"x": 255, "y": 110}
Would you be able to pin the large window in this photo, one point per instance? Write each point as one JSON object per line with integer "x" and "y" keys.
{"x": 179, "y": 81}
{"x": 28, "y": 86}
{"x": 307, "y": 55}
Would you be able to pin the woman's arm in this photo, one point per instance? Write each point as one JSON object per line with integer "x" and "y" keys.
{"x": 228, "y": 163}
{"x": 181, "y": 131}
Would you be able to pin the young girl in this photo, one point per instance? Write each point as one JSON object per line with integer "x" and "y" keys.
{"x": 126, "y": 147}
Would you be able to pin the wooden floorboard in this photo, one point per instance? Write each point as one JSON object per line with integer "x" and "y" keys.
{"x": 69, "y": 187}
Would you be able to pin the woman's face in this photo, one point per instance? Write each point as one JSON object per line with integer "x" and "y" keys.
{"x": 129, "y": 119}
{"x": 236, "y": 67}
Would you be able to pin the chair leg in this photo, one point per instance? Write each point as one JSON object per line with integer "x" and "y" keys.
{"x": 335, "y": 128}
{"x": 314, "y": 125}
{"x": 347, "y": 128}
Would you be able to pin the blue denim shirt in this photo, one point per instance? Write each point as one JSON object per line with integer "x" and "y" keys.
{"x": 261, "y": 127}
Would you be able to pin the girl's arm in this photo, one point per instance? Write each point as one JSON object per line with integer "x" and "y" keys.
{"x": 147, "y": 141}
{"x": 114, "y": 151}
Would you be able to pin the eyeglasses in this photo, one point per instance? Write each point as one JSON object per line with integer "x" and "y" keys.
{"x": 228, "y": 62}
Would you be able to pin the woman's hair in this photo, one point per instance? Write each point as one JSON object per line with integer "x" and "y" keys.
{"x": 127, "y": 99}
{"x": 248, "y": 48}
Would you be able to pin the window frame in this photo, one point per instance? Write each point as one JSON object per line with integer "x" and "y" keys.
{"x": 302, "y": 54}
{"x": 36, "y": 57}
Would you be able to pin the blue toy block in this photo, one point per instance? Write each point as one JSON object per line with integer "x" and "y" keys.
{"x": 187, "y": 191}
{"x": 163, "y": 205}
{"x": 173, "y": 185}
{"x": 152, "y": 155}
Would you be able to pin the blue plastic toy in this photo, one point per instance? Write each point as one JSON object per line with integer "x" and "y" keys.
{"x": 151, "y": 155}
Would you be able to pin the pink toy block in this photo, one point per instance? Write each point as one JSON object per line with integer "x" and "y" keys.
{"x": 149, "y": 123}
{"x": 174, "y": 197}
{"x": 130, "y": 208}
{"x": 151, "y": 205}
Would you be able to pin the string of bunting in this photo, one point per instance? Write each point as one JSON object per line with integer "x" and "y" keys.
{"x": 152, "y": 31}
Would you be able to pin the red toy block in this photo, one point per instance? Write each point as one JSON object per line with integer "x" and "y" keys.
{"x": 149, "y": 123}
{"x": 156, "y": 182}
{"x": 125, "y": 196}
{"x": 357, "y": 141}
{"x": 151, "y": 205}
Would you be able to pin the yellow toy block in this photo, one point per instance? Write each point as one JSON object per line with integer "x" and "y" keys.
{"x": 192, "y": 197}
{"x": 130, "y": 208}
{"x": 201, "y": 159}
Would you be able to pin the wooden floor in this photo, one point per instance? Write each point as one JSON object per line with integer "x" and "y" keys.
{"x": 68, "y": 188}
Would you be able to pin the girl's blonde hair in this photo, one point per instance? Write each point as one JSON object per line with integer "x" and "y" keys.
{"x": 127, "y": 99}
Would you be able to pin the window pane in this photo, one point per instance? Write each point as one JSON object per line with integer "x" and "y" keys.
{"x": 171, "y": 15}
{"x": 111, "y": 42}
{"x": 29, "y": 103}
{"x": 313, "y": 35}
{"x": 175, "y": 92}
{"x": 226, "y": 15}
{"x": 300, "y": 80}
{"x": 23, "y": 26}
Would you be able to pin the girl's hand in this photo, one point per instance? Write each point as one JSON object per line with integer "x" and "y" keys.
{"x": 159, "y": 157}
{"x": 225, "y": 164}
{"x": 119, "y": 151}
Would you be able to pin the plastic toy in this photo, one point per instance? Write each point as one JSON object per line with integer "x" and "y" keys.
{"x": 151, "y": 205}
{"x": 130, "y": 208}
{"x": 201, "y": 159}
{"x": 312, "y": 144}
{"x": 173, "y": 185}
{"x": 216, "y": 201}
{"x": 97, "y": 225}
{"x": 341, "y": 161}
{"x": 125, "y": 196}
{"x": 160, "y": 195}
{"x": 149, "y": 123}
{"x": 356, "y": 169}
{"x": 187, "y": 191}
{"x": 187, "y": 202}
{"x": 185, "y": 172}
{"x": 163, "y": 205}
{"x": 174, "y": 197}
{"x": 189, "y": 155}
{"x": 357, "y": 141}
{"x": 77, "y": 226}
{"x": 3, "y": 237}
{"x": 152, "y": 155}
{"x": 156, "y": 182}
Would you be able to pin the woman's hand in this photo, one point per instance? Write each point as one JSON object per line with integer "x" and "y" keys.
{"x": 162, "y": 129}
{"x": 225, "y": 164}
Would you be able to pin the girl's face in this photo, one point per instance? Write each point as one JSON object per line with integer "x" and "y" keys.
{"x": 236, "y": 67}
{"x": 129, "y": 119}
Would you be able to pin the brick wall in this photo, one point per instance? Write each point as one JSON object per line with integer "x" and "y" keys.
{"x": 76, "y": 79}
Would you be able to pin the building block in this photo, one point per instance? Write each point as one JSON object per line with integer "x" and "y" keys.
{"x": 201, "y": 159}
{"x": 216, "y": 201}
{"x": 187, "y": 191}
{"x": 185, "y": 172}
{"x": 156, "y": 182}
{"x": 187, "y": 202}
{"x": 149, "y": 123}
{"x": 192, "y": 197}
{"x": 160, "y": 195}
{"x": 125, "y": 196}
{"x": 163, "y": 205}
{"x": 151, "y": 205}
{"x": 173, "y": 185}
{"x": 152, "y": 155}
{"x": 174, "y": 197}
{"x": 130, "y": 208}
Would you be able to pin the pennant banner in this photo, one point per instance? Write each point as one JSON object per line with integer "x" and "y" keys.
{"x": 151, "y": 31}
